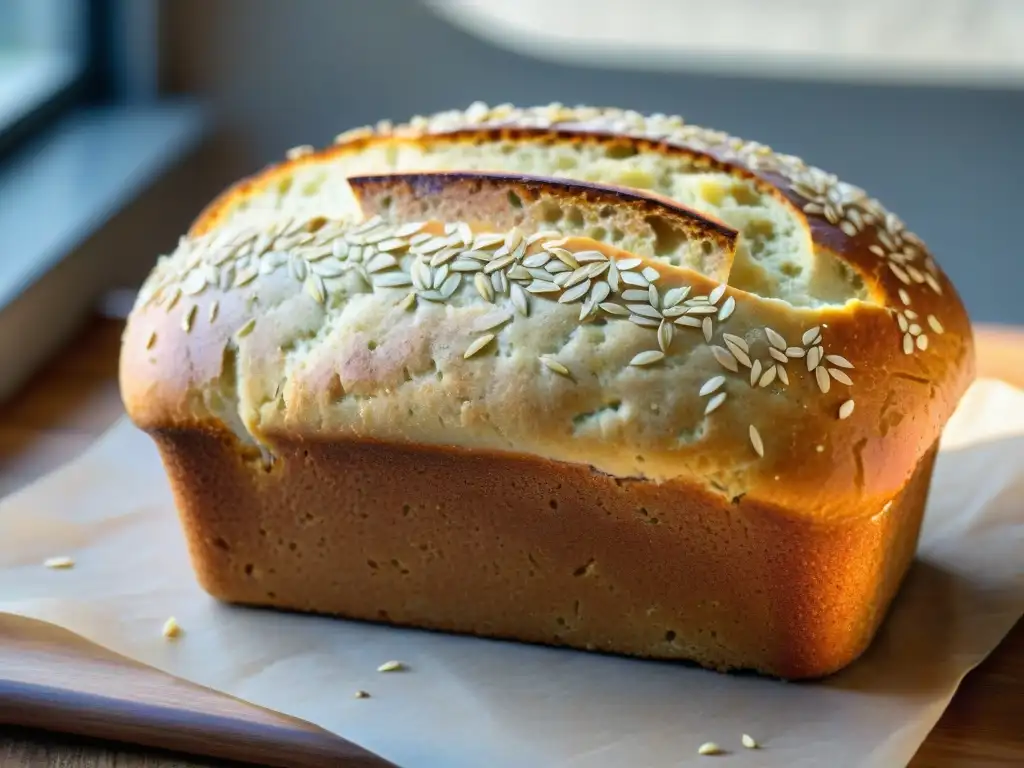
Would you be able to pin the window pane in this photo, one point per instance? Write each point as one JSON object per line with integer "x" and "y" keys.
{"x": 42, "y": 45}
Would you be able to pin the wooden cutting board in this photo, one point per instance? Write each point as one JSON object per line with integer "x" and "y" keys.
{"x": 56, "y": 680}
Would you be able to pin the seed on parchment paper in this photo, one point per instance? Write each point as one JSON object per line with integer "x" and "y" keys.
{"x": 171, "y": 628}
{"x": 391, "y": 666}
{"x": 748, "y": 741}
{"x": 59, "y": 562}
{"x": 709, "y": 748}
{"x": 362, "y": 695}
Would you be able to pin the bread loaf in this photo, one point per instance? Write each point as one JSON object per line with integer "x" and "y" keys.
{"x": 564, "y": 376}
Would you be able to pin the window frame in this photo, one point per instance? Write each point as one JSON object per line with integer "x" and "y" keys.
{"x": 65, "y": 58}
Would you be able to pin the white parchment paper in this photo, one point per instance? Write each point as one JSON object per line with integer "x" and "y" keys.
{"x": 469, "y": 702}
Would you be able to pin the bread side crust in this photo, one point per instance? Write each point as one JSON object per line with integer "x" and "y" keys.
{"x": 538, "y": 551}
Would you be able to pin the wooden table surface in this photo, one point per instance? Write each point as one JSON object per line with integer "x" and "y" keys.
{"x": 73, "y": 400}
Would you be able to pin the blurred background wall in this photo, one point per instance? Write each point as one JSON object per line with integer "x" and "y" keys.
{"x": 276, "y": 74}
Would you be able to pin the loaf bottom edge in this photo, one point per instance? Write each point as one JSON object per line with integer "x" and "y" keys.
{"x": 525, "y": 549}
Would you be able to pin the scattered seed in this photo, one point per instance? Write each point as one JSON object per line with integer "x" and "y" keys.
{"x": 483, "y": 287}
{"x": 935, "y": 325}
{"x": 748, "y": 741}
{"x": 724, "y": 358}
{"x": 519, "y": 300}
{"x": 646, "y": 322}
{"x": 537, "y": 260}
{"x": 775, "y": 339}
{"x": 478, "y": 345}
{"x": 840, "y": 376}
{"x": 732, "y": 340}
{"x": 301, "y": 151}
{"x": 714, "y": 403}
{"x": 727, "y": 309}
{"x": 499, "y": 263}
{"x": 708, "y": 328}
{"x": 756, "y": 442}
{"x": 811, "y": 335}
{"x": 712, "y": 385}
{"x": 410, "y": 229}
{"x": 767, "y": 377}
{"x": 171, "y": 628}
{"x": 513, "y": 238}
{"x": 315, "y": 287}
{"x": 846, "y": 409}
{"x": 646, "y": 310}
{"x": 362, "y": 695}
{"x": 665, "y": 335}
{"x": 551, "y": 364}
{"x": 450, "y": 285}
{"x": 627, "y": 264}
{"x": 391, "y": 666}
{"x": 738, "y": 348}
{"x": 552, "y": 244}
{"x": 778, "y": 355}
{"x": 392, "y": 280}
{"x": 650, "y": 273}
{"x": 487, "y": 241}
{"x": 634, "y": 278}
{"x": 709, "y": 748}
{"x": 599, "y": 292}
{"x": 674, "y": 296}
{"x": 575, "y": 293}
{"x": 689, "y": 322}
{"x": 824, "y": 382}
{"x": 188, "y": 318}
{"x": 781, "y": 371}
{"x": 151, "y": 341}
{"x": 648, "y": 357}
{"x": 755, "y": 373}
{"x": 813, "y": 358}
{"x": 246, "y": 329}
{"x": 701, "y": 309}
{"x": 59, "y": 563}
{"x": 715, "y": 296}
{"x": 614, "y": 309}
{"x": 652, "y": 297}
{"x": 542, "y": 286}
{"x": 839, "y": 361}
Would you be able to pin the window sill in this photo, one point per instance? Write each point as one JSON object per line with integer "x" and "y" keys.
{"x": 55, "y": 196}
{"x": 30, "y": 79}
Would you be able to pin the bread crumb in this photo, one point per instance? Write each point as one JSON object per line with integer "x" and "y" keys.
{"x": 391, "y": 666}
{"x": 59, "y": 562}
{"x": 362, "y": 695}
{"x": 171, "y": 628}
{"x": 748, "y": 741}
{"x": 709, "y": 748}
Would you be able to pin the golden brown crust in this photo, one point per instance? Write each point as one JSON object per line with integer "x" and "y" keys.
{"x": 742, "y": 410}
{"x": 538, "y": 551}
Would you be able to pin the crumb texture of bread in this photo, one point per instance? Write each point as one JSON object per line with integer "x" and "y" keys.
{"x": 658, "y": 390}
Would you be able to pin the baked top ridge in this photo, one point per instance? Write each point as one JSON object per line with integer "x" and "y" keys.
{"x": 329, "y": 327}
